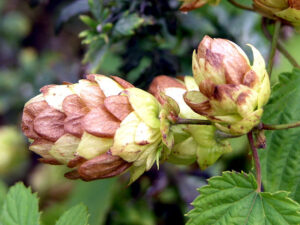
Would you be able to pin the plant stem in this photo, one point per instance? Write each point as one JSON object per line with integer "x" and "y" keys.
{"x": 233, "y": 2}
{"x": 256, "y": 161}
{"x": 273, "y": 46}
{"x": 192, "y": 121}
{"x": 280, "y": 46}
{"x": 280, "y": 126}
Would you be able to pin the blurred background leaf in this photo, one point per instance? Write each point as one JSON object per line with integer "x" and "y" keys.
{"x": 96, "y": 195}
{"x": 44, "y": 42}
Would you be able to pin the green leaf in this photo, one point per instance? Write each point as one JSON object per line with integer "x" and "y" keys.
{"x": 20, "y": 207}
{"x": 280, "y": 161}
{"x": 96, "y": 8}
{"x": 77, "y": 215}
{"x": 127, "y": 24}
{"x": 88, "y": 21}
{"x": 232, "y": 199}
{"x": 97, "y": 196}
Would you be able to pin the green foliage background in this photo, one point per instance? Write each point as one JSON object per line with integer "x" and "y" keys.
{"x": 43, "y": 42}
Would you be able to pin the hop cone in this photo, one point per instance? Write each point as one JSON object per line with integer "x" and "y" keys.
{"x": 99, "y": 126}
{"x": 187, "y": 143}
{"x": 232, "y": 91}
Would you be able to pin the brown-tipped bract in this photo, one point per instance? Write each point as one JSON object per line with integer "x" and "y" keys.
{"x": 99, "y": 126}
{"x": 232, "y": 91}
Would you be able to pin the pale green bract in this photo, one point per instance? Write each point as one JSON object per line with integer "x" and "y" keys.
{"x": 64, "y": 148}
{"x": 91, "y": 146}
{"x": 145, "y": 105}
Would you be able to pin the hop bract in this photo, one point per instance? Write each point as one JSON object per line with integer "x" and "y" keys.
{"x": 99, "y": 126}
{"x": 288, "y": 10}
{"x": 232, "y": 91}
{"x": 187, "y": 143}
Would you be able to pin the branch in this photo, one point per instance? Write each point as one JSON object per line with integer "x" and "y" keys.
{"x": 280, "y": 46}
{"x": 280, "y": 126}
{"x": 233, "y": 2}
{"x": 273, "y": 46}
{"x": 256, "y": 161}
{"x": 192, "y": 121}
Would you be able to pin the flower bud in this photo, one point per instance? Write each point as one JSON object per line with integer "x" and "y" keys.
{"x": 288, "y": 10}
{"x": 190, "y": 142}
{"x": 232, "y": 92}
{"x": 99, "y": 126}
{"x": 189, "y": 5}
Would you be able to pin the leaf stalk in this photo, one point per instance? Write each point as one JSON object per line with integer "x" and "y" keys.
{"x": 280, "y": 126}
{"x": 256, "y": 161}
{"x": 280, "y": 46}
{"x": 273, "y": 46}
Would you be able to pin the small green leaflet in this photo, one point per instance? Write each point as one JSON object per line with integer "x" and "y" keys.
{"x": 77, "y": 215}
{"x": 20, "y": 207}
{"x": 127, "y": 24}
{"x": 232, "y": 199}
{"x": 280, "y": 161}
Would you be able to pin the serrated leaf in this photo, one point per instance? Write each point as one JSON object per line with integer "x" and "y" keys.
{"x": 280, "y": 161}
{"x": 127, "y": 24}
{"x": 20, "y": 207}
{"x": 232, "y": 199}
{"x": 77, "y": 215}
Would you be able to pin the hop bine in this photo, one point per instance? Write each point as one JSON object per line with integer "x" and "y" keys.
{"x": 99, "y": 126}
{"x": 232, "y": 92}
{"x": 187, "y": 143}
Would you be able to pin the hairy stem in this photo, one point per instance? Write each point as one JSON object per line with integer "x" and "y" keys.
{"x": 192, "y": 121}
{"x": 273, "y": 46}
{"x": 280, "y": 126}
{"x": 233, "y": 2}
{"x": 256, "y": 161}
{"x": 280, "y": 46}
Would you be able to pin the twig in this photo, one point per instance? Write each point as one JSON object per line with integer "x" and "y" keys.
{"x": 233, "y": 2}
{"x": 192, "y": 121}
{"x": 280, "y": 126}
{"x": 273, "y": 47}
{"x": 256, "y": 161}
{"x": 280, "y": 46}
